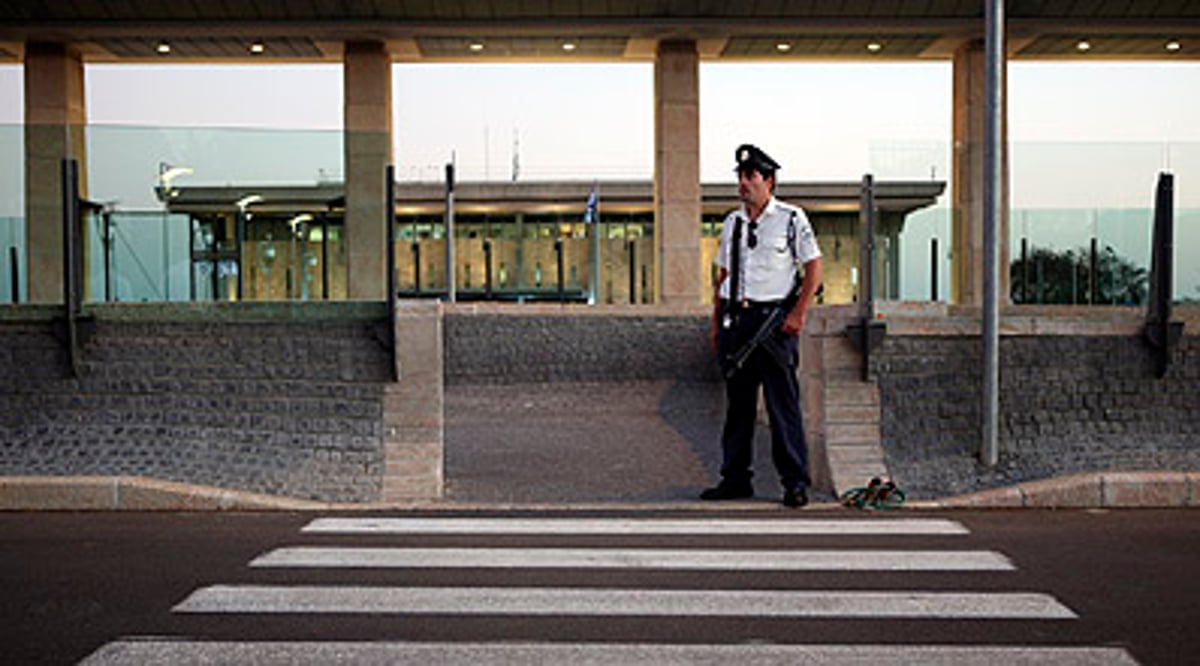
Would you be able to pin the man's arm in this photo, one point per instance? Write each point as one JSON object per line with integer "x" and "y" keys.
{"x": 796, "y": 319}
{"x": 722, "y": 273}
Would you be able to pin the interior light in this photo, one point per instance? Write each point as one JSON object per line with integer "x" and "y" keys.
{"x": 258, "y": 47}
{"x": 1173, "y": 46}
{"x": 783, "y": 47}
{"x": 874, "y": 47}
{"x": 569, "y": 46}
{"x": 1083, "y": 46}
{"x": 247, "y": 200}
{"x": 476, "y": 46}
{"x": 163, "y": 47}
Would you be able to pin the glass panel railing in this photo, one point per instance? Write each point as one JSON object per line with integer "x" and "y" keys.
{"x": 12, "y": 212}
{"x": 913, "y": 247}
{"x": 13, "y": 286}
{"x": 127, "y": 164}
{"x": 174, "y": 201}
{"x": 137, "y": 257}
{"x": 1082, "y": 218}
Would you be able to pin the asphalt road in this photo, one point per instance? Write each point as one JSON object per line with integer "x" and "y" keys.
{"x": 76, "y": 583}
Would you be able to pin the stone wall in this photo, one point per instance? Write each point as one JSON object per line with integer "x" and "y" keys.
{"x": 1077, "y": 393}
{"x": 545, "y": 343}
{"x": 273, "y": 398}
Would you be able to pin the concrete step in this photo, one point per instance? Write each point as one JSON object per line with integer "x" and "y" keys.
{"x": 838, "y": 414}
{"x": 857, "y": 393}
{"x": 850, "y": 433}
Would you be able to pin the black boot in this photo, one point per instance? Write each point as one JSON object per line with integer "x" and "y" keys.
{"x": 795, "y": 498}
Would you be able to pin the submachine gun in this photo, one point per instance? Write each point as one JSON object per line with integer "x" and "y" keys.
{"x": 734, "y": 361}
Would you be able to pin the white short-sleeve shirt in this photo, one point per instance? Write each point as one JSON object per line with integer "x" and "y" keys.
{"x": 769, "y": 269}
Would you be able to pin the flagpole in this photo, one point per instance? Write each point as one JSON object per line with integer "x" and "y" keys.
{"x": 594, "y": 218}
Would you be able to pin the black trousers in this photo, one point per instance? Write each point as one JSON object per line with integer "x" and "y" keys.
{"x": 773, "y": 367}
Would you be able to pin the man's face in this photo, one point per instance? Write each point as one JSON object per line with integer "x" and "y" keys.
{"x": 753, "y": 189}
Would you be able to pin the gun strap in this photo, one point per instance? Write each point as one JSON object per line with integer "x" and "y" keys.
{"x": 735, "y": 261}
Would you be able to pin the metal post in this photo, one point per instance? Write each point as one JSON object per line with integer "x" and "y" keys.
{"x": 70, "y": 257}
{"x": 106, "y": 218}
{"x": 240, "y": 232}
{"x": 15, "y": 272}
{"x": 866, "y": 255}
{"x": 416, "y": 250}
{"x": 594, "y": 269}
{"x": 633, "y": 271}
{"x": 1093, "y": 280}
{"x": 558, "y": 258}
{"x": 451, "y": 292}
{"x": 993, "y": 85}
{"x": 487, "y": 268}
{"x": 1025, "y": 270}
{"x": 933, "y": 269}
{"x": 324, "y": 256}
{"x": 390, "y": 235}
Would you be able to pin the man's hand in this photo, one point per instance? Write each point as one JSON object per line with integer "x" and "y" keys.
{"x": 795, "y": 321}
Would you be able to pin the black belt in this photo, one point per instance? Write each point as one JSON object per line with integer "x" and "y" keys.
{"x": 746, "y": 304}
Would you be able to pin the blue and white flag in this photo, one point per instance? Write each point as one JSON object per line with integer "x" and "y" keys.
{"x": 589, "y": 213}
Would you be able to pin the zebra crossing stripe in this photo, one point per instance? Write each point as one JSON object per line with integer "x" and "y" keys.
{"x": 618, "y": 526}
{"x": 271, "y": 653}
{"x": 623, "y": 602}
{"x": 634, "y": 558}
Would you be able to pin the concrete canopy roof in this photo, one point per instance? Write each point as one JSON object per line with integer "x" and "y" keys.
{"x": 604, "y": 30}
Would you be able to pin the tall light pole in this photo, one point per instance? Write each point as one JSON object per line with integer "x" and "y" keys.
{"x": 993, "y": 156}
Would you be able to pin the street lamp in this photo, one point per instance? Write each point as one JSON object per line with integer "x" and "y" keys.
{"x": 167, "y": 173}
{"x": 242, "y": 216}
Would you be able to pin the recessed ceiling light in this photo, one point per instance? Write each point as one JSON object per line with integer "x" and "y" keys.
{"x": 258, "y": 47}
{"x": 874, "y": 47}
{"x": 476, "y": 46}
{"x": 1173, "y": 46}
{"x": 1083, "y": 45}
{"x": 163, "y": 47}
{"x": 783, "y": 47}
{"x": 569, "y": 46}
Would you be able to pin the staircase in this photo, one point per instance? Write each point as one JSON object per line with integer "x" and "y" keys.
{"x": 842, "y": 411}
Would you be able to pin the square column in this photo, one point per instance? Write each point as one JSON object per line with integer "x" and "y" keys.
{"x": 967, "y": 276}
{"x": 367, "y": 83}
{"x": 678, "y": 273}
{"x": 55, "y": 122}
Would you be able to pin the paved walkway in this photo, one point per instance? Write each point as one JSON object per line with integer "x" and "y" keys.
{"x": 586, "y": 442}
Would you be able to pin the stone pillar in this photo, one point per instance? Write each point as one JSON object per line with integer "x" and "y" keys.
{"x": 55, "y": 121}
{"x": 967, "y": 276}
{"x": 367, "y": 83}
{"x": 679, "y": 275}
{"x": 414, "y": 412}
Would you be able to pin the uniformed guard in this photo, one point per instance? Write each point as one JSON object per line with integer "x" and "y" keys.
{"x": 764, "y": 244}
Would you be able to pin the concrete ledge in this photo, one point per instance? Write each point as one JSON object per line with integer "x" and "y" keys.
{"x": 1091, "y": 490}
{"x": 123, "y": 493}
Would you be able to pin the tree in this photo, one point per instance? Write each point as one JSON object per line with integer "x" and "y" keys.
{"x": 1050, "y": 277}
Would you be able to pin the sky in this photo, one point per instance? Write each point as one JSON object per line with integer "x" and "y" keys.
{"x": 824, "y": 121}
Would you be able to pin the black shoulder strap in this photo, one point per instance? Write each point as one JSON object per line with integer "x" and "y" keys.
{"x": 791, "y": 238}
{"x": 735, "y": 260}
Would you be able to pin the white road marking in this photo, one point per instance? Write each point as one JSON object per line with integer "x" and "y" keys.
{"x": 185, "y": 653}
{"x": 619, "y": 526}
{"x": 634, "y": 558}
{"x": 600, "y": 602}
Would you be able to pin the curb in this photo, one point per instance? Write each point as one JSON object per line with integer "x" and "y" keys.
{"x": 129, "y": 493}
{"x": 1092, "y": 490}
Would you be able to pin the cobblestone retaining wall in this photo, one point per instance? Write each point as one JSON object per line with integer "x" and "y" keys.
{"x": 574, "y": 344}
{"x": 261, "y": 400}
{"x": 1068, "y": 403}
